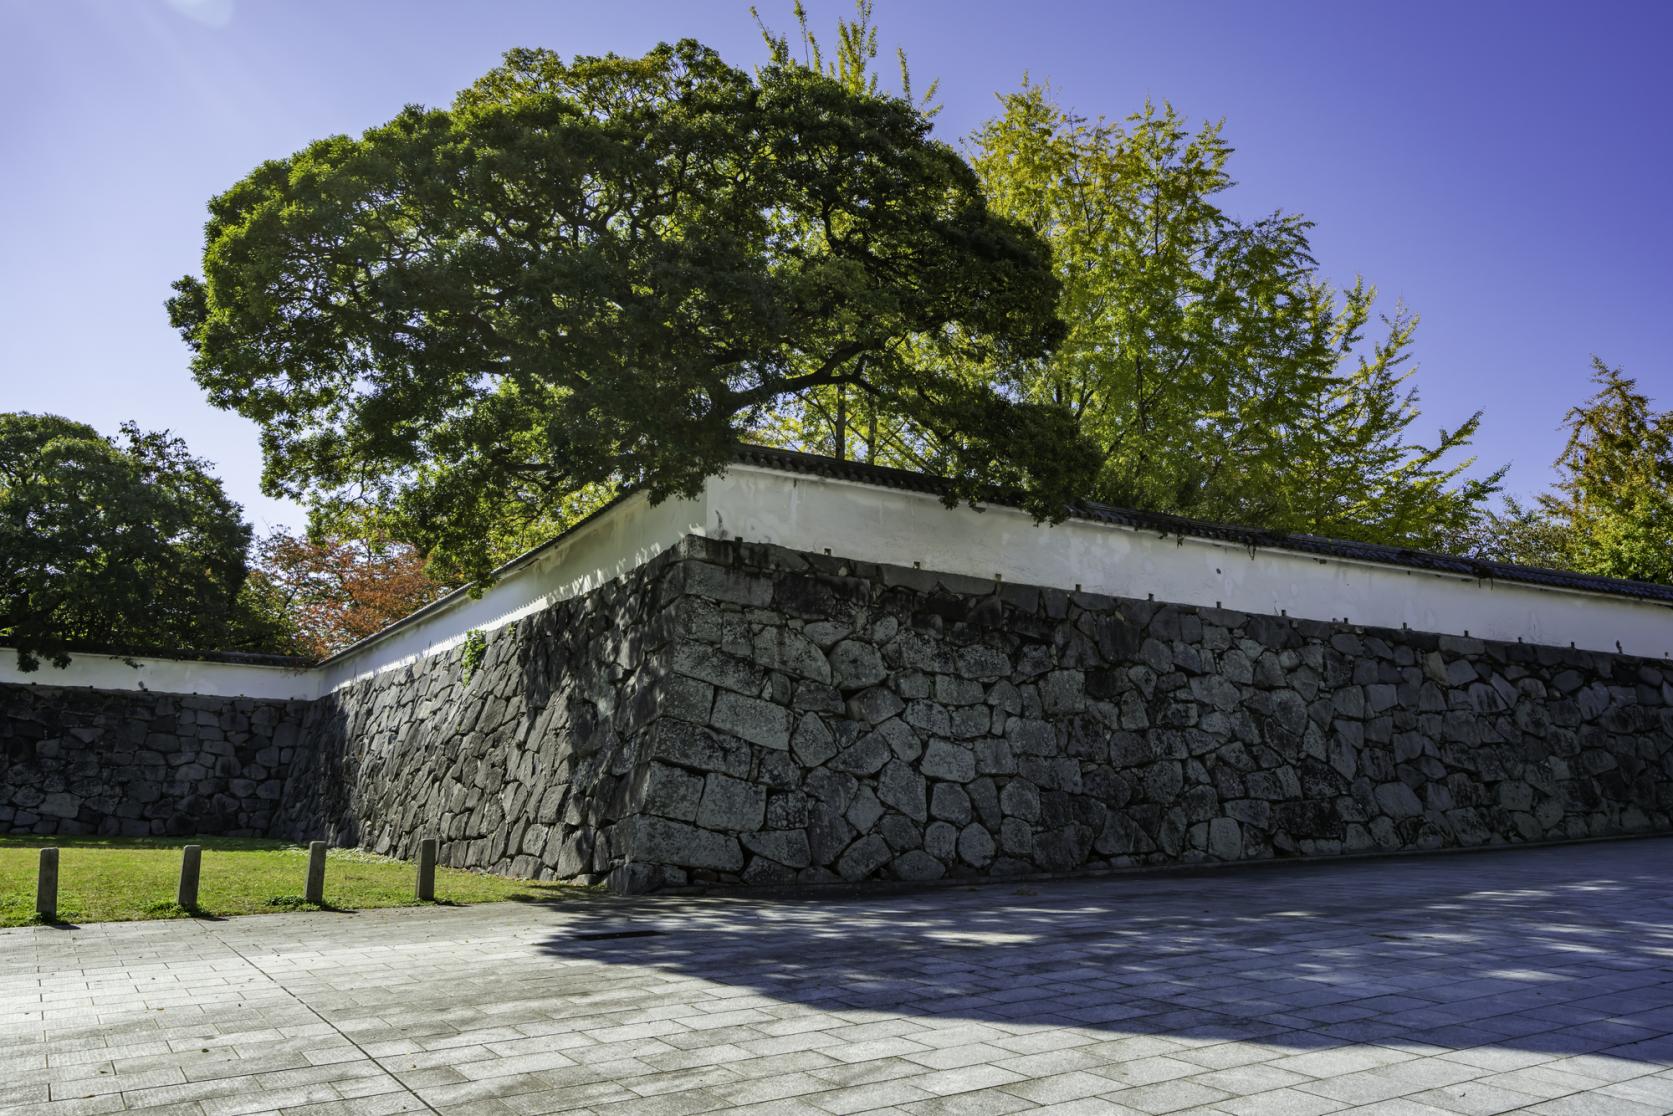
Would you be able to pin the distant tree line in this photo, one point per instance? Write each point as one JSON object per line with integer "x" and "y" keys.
{"x": 130, "y": 544}
{"x": 470, "y": 326}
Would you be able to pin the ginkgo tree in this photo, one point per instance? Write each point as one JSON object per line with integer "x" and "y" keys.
{"x": 1213, "y": 369}
{"x": 1611, "y": 509}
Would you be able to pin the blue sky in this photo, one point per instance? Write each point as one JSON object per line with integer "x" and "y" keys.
{"x": 1502, "y": 167}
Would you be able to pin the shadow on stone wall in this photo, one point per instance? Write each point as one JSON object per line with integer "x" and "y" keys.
{"x": 1537, "y": 950}
{"x": 83, "y": 762}
{"x": 523, "y": 765}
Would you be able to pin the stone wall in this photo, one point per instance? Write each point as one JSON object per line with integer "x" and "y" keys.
{"x": 746, "y": 714}
{"x": 524, "y": 765}
{"x": 827, "y": 720}
{"x": 137, "y": 764}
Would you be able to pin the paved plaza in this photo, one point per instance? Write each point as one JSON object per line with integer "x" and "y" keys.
{"x": 1537, "y": 980}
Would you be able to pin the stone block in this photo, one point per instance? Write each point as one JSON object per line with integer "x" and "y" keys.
{"x": 687, "y": 698}
{"x": 826, "y": 633}
{"x": 864, "y": 857}
{"x": 787, "y": 847}
{"x": 941, "y": 840}
{"x": 864, "y": 809}
{"x": 672, "y": 793}
{"x": 917, "y": 865}
{"x": 753, "y": 719}
{"x": 700, "y": 749}
{"x": 929, "y": 717}
{"x": 904, "y": 789}
{"x": 972, "y": 721}
{"x": 812, "y": 743}
{"x": 1398, "y": 800}
{"x": 828, "y": 834}
{"x": 901, "y": 832}
{"x": 780, "y": 648}
{"x": 876, "y": 704}
{"x": 1016, "y": 837}
{"x": 950, "y": 802}
{"x": 788, "y": 810}
{"x": 725, "y": 584}
{"x": 706, "y": 663}
{"x": 856, "y": 665}
{"x": 731, "y": 804}
{"x": 1063, "y": 691}
{"x": 949, "y": 761}
{"x": 865, "y": 756}
{"x": 1225, "y": 839}
{"x": 982, "y": 663}
{"x": 975, "y": 846}
{"x": 952, "y": 690}
{"x": 60, "y": 804}
{"x": 1020, "y": 799}
{"x": 994, "y": 757}
{"x": 661, "y": 841}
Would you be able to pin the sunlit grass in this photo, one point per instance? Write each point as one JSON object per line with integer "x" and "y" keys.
{"x": 108, "y": 879}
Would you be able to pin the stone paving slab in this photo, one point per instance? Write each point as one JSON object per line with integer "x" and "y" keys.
{"x": 1535, "y": 980}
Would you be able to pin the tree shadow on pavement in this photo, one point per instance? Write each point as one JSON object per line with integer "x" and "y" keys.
{"x": 1556, "y": 950}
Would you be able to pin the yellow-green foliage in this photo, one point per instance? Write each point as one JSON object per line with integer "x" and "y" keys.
{"x": 1216, "y": 372}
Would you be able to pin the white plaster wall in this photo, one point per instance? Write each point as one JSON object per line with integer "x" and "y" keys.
{"x": 171, "y": 676}
{"x": 600, "y": 550}
{"x": 887, "y": 525}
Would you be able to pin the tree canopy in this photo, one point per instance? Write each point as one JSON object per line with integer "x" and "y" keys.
{"x": 1611, "y": 510}
{"x": 1216, "y": 373}
{"x": 471, "y": 325}
{"x": 127, "y": 543}
{"x": 606, "y": 271}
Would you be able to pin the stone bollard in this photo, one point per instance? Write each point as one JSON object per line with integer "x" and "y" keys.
{"x": 427, "y": 869}
{"x": 191, "y": 858}
{"x": 315, "y": 891}
{"x": 46, "y": 886}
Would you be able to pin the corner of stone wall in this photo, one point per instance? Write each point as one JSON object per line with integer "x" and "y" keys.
{"x": 525, "y": 766}
{"x": 717, "y": 735}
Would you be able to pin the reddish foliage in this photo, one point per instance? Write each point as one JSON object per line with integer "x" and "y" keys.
{"x": 329, "y": 593}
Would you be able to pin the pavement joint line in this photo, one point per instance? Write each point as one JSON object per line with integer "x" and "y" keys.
{"x": 311, "y": 1010}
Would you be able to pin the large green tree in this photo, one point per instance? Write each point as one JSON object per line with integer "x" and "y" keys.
{"x": 838, "y": 420}
{"x": 605, "y": 271}
{"x": 127, "y": 543}
{"x": 1216, "y": 373}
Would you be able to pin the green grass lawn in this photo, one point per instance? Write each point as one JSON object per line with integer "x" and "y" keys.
{"x": 107, "y": 879}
